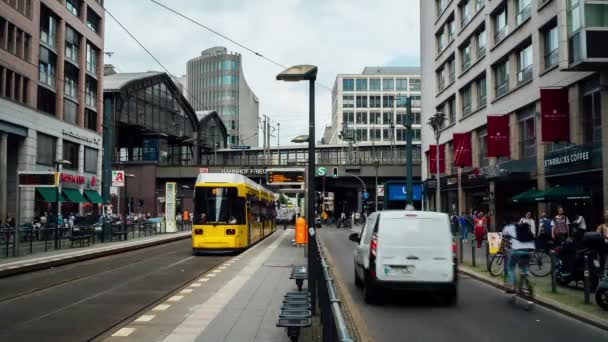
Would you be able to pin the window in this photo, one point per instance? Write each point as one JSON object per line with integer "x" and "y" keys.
{"x": 401, "y": 84}
{"x": 46, "y": 101}
{"x": 375, "y": 134}
{"x": 11, "y": 37}
{"x": 361, "y": 134}
{"x": 451, "y": 111}
{"x": 93, "y": 20}
{"x": 362, "y": 118}
{"x": 221, "y": 205}
{"x": 551, "y": 44}
{"x": 400, "y": 118}
{"x": 481, "y": 142}
{"x": 451, "y": 70}
{"x": 348, "y": 84}
{"x": 27, "y": 41}
{"x": 440, "y": 6}
{"x": 481, "y": 92}
{"x": 465, "y": 53}
{"x": 414, "y": 84}
{"x": 451, "y": 30}
{"x": 90, "y": 160}
{"x": 70, "y": 153}
{"x": 70, "y": 111}
{"x": 361, "y": 84}
{"x": 70, "y": 81}
{"x": 592, "y": 119}
{"x": 441, "y": 75}
{"x": 374, "y": 101}
{"x": 348, "y": 101}
{"x": 73, "y": 7}
{"x": 502, "y": 78}
{"x": 479, "y": 4}
{"x": 388, "y": 134}
{"x": 524, "y": 9}
{"x": 348, "y": 117}
{"x": 388, "y": 84}
{"x": 47, "y": 66}
{"x": 374, "y": 84}
{"x": 481, "y": 43}
{"x": 91, "y": 59}
{"x": 90, "y": 98}
{"x": 500, "y": 25}
{"x": 22, "y": 6}
{"x": 48, "y": 27}
{"x": 90, "y": 119}
{"x": 45, "y": 149}
{"x": 415, "y": 100}
{"x": 527, "y": 133}
{"x": 71, "y": 44}
{"x": 465, "y": 12}
{"x": 401, "y": 101}
{"x": 465, "y": 94}
{"x": 2, "y": 32}
{"x": 387, "y": 118}
{"x": 524, "y": 61}
{"x": 388, "y": 101}
{"x": 374, "y": 118}
{"x": 361, "y": 101}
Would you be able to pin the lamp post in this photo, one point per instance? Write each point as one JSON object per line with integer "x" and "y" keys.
{"x": 295, "y": 74}
{"x": 436, "y": 123}
{"x": 127, "y": 202}
{"x": 279, "y": 142}
{"x": 409, "y": 157}
{"x": 57, "y": 198}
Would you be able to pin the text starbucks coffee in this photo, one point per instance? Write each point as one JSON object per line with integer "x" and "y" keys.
{"x": 567, "y": 159}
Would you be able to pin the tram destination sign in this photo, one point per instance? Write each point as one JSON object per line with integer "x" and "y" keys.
{"x": 286, "y": 176}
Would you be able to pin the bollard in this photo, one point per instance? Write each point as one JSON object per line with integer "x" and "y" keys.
{"x": 586, "y": 280}
{"x": 553, "y": 274}
{"x": 473, "y": 252}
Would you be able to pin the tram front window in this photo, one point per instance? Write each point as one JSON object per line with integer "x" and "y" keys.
{"x": 218, "y": 206}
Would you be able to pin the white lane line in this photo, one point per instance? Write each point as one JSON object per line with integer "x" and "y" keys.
{"x": 175, "y": 299}
{"x": 204, "y": 280}
{"x": 185, "y": 291}
{"x": 161, "y": 307}
{"x": 211, "y": 275}
{"x": 145, "y": 318}
{"x": 124, "y": 332}
{"x": 179, "y": 262}
{"x": 222, "y": 268}
{"x": 195, "y": 285}
{"x": 217, "y": 271}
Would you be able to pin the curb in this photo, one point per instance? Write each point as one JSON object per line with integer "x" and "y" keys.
{"x": 356, "y": 323}
{"x": 543, "y": 301}
{"x": 7, "y": 272}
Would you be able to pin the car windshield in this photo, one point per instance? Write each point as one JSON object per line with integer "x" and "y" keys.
{"x": 213, "y": 205}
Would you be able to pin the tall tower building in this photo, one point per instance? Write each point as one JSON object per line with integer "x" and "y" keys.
{"x": 216, "y": 82}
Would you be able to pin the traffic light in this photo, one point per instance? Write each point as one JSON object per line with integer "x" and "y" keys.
{"x": 335, "y": 174}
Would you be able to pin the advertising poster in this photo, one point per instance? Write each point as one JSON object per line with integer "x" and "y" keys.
{"x": 170, "y": 193}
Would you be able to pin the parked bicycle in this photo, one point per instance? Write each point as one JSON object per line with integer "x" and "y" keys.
{"x": 540, "y": 263}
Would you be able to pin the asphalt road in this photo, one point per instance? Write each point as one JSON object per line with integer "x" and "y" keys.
{"x": 482, "y": 314}
{"x": 81, "y": 301}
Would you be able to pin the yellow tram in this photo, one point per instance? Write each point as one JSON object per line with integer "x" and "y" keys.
{"x": 231, "y": 213}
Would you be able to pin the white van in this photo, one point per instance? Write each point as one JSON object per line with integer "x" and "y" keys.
{"x": 406, "y": 250}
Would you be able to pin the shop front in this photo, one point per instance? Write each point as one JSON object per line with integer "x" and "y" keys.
{"x": 78, "y": 195}
{"x": 449, "y": 194}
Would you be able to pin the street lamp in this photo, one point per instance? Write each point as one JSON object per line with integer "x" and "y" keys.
{"x": 436, "y": 122}
{"x": 57, "y": 198}
{"x": 300, "y": 139}
{"x": 295, "y": 74}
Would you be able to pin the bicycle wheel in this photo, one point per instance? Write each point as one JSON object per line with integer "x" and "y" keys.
{"x": 540, "y": 264}
{"x": 497, "y": 265}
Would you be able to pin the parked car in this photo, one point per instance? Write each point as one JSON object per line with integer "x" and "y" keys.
{"x": 406, "y": 251}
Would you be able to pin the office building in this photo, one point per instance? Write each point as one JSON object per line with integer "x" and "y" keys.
{"x": 216, "y": 82}
{"x": 51, "y": 69}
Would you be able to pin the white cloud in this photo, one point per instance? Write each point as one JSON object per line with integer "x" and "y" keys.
{"x": 339, "y": 36}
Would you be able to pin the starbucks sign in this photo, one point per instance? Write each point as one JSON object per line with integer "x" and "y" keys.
{"x": 568, "y": 159}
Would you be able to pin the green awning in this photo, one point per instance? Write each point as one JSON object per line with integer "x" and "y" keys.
{"x": 560, "y": 193}
{"x": 73, "y": 195}
{"x": 529, "y": 196}
{"x": 49, "y": 194}
{"x": 93, "y": 196}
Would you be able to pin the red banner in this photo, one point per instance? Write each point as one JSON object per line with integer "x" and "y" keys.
{"x": 498, "y": 136}
{"x": 433, "y": 159}
{"x": 463, "y": 154}
{"x": 555, "y": 112}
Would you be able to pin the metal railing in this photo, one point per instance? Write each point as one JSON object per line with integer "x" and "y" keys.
{"x": 332, "y": 319}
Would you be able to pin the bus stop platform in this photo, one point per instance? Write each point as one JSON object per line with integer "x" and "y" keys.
{"x": 52, "y": 258}
{"x": 239, "y": 300}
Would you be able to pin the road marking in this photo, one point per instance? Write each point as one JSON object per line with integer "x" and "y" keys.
{"x": 217, "y": 271}
{"x": 175, "y": 299}
{"x": 222, "y": 268}
{"x": 211, "y": 275}
{"x": 161, "y": 307}
{"x": 124, "y": 332}
{"x": 184, "y": 291}
{"x": 204, "y": 279}
{"x": 145, "y": 318}
{"x": 195, "y": 285}
{"x": 179, "y": 262}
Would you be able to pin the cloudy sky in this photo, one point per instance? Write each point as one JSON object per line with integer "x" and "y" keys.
{"x": 339, "y": 36}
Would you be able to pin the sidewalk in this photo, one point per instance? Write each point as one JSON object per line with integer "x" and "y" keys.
{"x": 238, "y": 301}
{"x": 567, "y": 300}
{"x": 31, "y": 262}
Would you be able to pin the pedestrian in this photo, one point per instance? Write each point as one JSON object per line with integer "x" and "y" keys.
{"x": 544, "y": 225}
{"x": 454, "y": 223}
{"x": 603, "y": 229}
{"x": 527, "y": 219}
{"x": 464, "y": 226}
{"x": 480, "y": 228}
{"x": 580, "y": 224}
{"x": 559, "y": 226}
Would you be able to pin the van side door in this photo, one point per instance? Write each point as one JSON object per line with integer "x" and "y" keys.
{"x": 362, "y": 251}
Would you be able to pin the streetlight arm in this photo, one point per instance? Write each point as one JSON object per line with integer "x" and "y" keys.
{"x": 360, "y": 180}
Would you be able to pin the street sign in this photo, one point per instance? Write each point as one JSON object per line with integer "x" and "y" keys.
{"x": 203, "y": 170}
{"x": 321, "y": 171}
{"x": 240, "y": 147}
{"x": 37, "y": 179}
{"x": 118, "y": 178}
{"x": 366, "y": 195}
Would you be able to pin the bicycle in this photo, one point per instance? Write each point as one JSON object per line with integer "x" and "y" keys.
{"x": 540, "y": 263}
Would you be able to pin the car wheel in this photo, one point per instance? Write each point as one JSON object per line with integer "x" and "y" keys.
{"x": 358, "y": 282}
{"x": 369, "y": 293}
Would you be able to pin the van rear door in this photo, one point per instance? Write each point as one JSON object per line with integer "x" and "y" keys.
{"x": 414, "y": 248}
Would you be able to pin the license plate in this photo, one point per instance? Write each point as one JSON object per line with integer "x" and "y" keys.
{"x": 596, "y": 263}
{"x": 402, "y": 269}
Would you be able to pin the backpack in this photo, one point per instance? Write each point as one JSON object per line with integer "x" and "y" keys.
{"x": 523, "y": 232}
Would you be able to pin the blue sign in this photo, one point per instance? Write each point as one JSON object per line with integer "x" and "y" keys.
{"x": 150, "y": 149}
{"x": 365, "y": 195}
{"x": 398, "y": 192}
